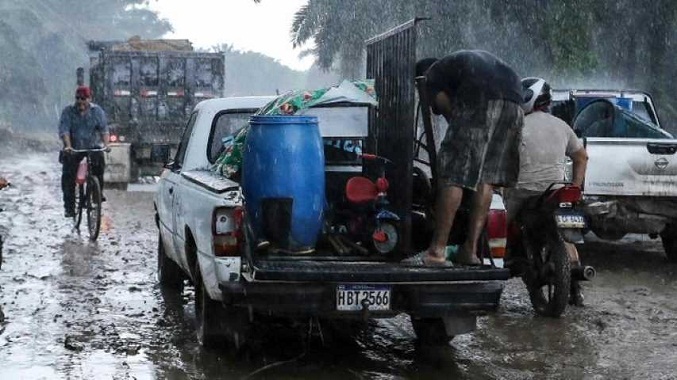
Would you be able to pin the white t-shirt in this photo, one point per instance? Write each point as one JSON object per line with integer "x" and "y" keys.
{"x": 546, "y": 141}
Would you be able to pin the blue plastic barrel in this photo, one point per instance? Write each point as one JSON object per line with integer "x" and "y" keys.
{"x": 283, "y": 180}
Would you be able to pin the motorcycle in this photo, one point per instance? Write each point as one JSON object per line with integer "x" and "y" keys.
{"x": 537, "y": 240}
{"x": 371, "y": 221}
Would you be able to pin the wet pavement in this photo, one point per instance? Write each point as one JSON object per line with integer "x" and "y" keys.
{"x": 71, "y": 309}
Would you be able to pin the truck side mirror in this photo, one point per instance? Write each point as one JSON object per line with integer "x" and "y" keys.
{"x": 159, "y": 154}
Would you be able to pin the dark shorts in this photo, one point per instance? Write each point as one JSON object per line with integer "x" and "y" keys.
{"x": 482, "y": 146}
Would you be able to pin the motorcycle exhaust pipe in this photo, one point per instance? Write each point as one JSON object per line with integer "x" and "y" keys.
{"x": 583, "y": 273}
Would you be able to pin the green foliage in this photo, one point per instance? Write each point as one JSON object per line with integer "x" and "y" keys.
{"x": 610, "y": 43}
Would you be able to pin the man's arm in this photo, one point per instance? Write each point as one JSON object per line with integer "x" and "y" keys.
{"x": 65, "y": 130}
{"x": 67, "y": 142}
{"x": 580, "y": 163}
{"x": 103, "y": 127}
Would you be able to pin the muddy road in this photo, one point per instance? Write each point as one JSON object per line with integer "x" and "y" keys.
{"x": 71, "y": 309}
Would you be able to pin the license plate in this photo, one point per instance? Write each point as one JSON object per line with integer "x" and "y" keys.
{"x": 570, "y": 220}
{"x": 352, "y": 297}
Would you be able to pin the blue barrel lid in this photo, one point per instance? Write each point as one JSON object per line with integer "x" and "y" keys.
{"x": 280, "y": 119}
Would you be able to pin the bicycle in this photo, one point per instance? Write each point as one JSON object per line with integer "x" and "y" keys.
{"x": 87, "y": 195}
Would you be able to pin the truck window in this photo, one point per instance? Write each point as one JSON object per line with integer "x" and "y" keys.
{"x": 595, "y": 120}
{"x": 344, "y": 130}
{"x": 630, "y": 124}
{"x": 181, "y": 151}
{"x": 225, "y": 124}
{"x": 641, "y": 109}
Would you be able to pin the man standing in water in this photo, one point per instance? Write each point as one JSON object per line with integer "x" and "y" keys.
{"x": 83, "y": 125}
{"x": 480, "y": 96}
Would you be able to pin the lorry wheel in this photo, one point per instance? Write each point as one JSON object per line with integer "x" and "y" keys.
{"x": 170, "y": 275}
{"x": 431, "y": 331}
{"x": 548, "y": 279}
{"x": 669, "y": 239}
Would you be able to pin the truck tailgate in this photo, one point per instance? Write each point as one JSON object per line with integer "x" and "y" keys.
{"x": 631, "y": 167}
{"x": 312, "y": 271}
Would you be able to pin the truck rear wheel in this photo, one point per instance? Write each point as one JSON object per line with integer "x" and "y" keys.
{"x": 669, "y": 239}
{"x": 170, "y": 275}
{"x": 218, "y": 325}
{"x": 431, "y": 331}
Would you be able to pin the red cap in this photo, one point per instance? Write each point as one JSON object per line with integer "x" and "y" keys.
{"x": 83, "y": 91}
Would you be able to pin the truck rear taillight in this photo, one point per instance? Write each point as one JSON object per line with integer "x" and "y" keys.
{"x": 227, "y": 231}
{"x": 497, "y": 231}
{"x": 113, "y": 138}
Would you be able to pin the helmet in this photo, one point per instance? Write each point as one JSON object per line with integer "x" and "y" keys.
{"x": 535, "y": 94}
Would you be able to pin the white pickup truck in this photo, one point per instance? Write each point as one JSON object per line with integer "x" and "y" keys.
{"x": 631, "y": 180}
{"x": 201, "y": 239}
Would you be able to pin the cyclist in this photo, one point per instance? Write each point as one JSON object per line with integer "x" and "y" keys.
{"x": 82, "y": 125}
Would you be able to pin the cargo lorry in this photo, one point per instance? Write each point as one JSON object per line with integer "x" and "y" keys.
{"x": 148, "y": 88}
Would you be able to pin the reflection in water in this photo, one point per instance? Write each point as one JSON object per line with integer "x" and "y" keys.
{"x": 77, "y": 256}
{"x": 293, "y": 349}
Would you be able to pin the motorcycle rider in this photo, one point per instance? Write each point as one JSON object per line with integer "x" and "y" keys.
{"x": 82, "y": 125}
{"x": 546, "y": 142}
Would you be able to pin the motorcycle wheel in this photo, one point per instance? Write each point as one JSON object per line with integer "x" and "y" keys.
{"x": 392, "y": 232}
{"x": 548, "y": 279}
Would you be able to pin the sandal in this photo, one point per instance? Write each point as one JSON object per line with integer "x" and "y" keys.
{"x": 460, "y": 253}
{"x": 418, "y": 260}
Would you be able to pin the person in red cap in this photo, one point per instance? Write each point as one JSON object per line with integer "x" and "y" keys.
{"x": 83, "y": 125}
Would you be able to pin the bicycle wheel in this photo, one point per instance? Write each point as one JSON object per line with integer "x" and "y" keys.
{"x": 79, "y": 205}
{"x": 93, "y": 207}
